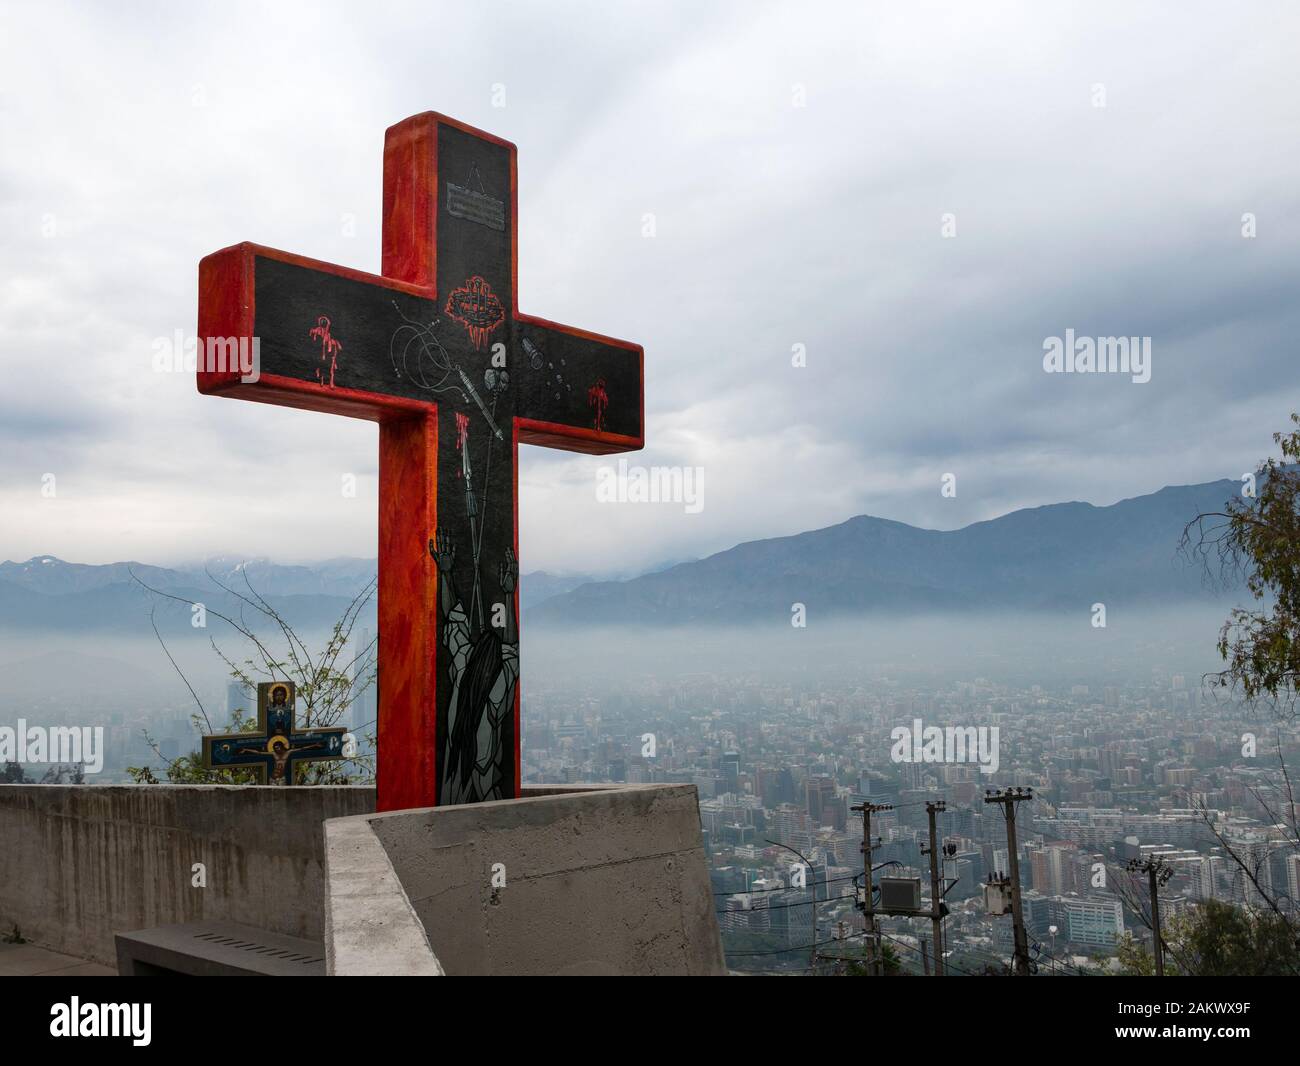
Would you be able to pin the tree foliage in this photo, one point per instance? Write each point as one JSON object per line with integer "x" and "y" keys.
{"x": 891, "y": 964}
{"x": 13, "y": 773}
{"x": 1216, "y": 939}
{"x": 1258, "y": 536}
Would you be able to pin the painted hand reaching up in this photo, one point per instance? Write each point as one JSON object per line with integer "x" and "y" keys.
{"x": 508, "y": 572}
{"x": 443, "y": 551}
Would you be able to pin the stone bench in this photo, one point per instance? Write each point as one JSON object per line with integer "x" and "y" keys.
{"x": 216, "y": 949}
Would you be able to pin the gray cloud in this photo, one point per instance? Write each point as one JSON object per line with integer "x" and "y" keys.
{"x": 149, "y": 138}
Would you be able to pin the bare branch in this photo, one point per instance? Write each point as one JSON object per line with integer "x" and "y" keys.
{"x": 180, "y": 673}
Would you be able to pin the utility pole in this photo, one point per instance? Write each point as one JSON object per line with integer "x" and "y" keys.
{"x": 1008, "y": 798}
{"x": 869, "y": 903}
{"x": 1158, "y": 874}
{"x": 936, "y": 897}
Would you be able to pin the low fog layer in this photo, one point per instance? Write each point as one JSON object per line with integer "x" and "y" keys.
{"x": 1005, "y": 649}
{"x": 1022, "y": 649}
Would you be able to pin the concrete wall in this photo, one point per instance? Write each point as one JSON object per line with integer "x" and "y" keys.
{"x": 78, "y": 863}
{"x": 371, "y": 930}
{"x": 599, "y": 880}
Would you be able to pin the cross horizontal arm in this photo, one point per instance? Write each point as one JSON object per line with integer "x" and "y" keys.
{"x": 249, "y": 293}
{"x": 577, "y": 390}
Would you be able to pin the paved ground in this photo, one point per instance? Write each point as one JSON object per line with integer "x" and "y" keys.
{"x": 27, "y": 960}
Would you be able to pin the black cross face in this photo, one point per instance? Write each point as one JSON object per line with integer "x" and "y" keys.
{"x": 277, "y": 746}
{"x": 466, "y": 353}
{"x": 437, "y": 342}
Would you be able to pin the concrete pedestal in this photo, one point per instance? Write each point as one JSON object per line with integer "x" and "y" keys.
{"x": 609, "y": 880}
{"x": 592, "y": 880}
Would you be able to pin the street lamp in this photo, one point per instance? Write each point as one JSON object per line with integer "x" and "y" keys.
{"x": 809, "y": 866}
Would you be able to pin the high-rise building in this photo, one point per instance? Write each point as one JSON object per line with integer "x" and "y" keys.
{"x": 820, "y": 799}
{"x": 731, "y": 772}
{"x": 791, "y": 915}
{"x": 1096, "y": 921}
{"x": 363, "y": 712}
{"x": 1053, "y": 868}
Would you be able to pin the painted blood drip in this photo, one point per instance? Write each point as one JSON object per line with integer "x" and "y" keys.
{"x": 462, "y": 433}
{"x": 598, "y": 400}
{"x": 476, "y": 307}
{"x": 329, "y": 349}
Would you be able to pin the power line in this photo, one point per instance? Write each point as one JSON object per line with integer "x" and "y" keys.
{"x": 1020, "y": 964}
{"x": 796, "y": 947}
{"x": 912, "y": 947}
{"x": 1061, "y": 962}
{"x": 761, "y": 891}
{"x": 949, "y": 965}
{"x": 782, "y": 906}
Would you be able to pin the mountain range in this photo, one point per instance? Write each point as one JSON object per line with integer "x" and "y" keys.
{"x": 47, "y": 593}
{"x": 1059, "y": 557}
{"x": 1063, "y": 556}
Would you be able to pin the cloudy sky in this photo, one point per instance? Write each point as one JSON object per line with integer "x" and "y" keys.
{"x": 801, "y": 162}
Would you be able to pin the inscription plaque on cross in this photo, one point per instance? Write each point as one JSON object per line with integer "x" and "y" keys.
{"x": 277, "y": 745}
{"x": 437, "y": 352}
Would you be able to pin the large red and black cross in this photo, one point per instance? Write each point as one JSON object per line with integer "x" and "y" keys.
{"x": 436, "y": 351}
